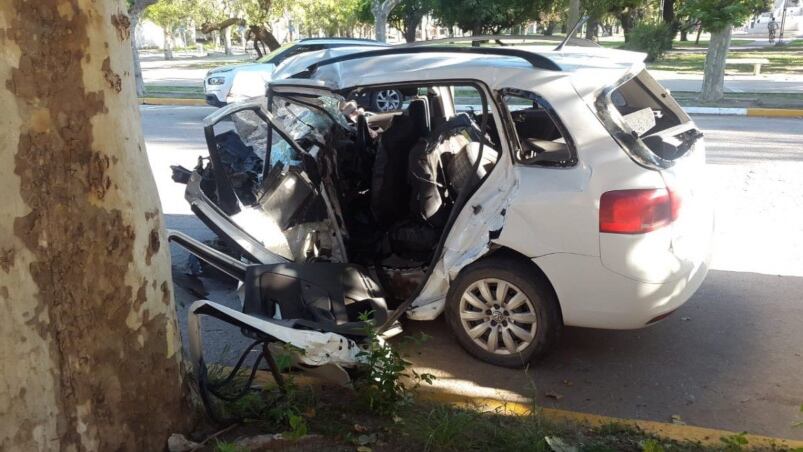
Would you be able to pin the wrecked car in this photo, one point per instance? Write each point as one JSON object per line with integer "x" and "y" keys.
{"x": 519, "y": 191}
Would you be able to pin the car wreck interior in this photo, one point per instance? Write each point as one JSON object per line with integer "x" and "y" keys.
{"x": 353, "y": 204}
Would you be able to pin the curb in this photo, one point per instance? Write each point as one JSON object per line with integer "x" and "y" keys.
{"x": 171, "y": 101}
{"x": 729, "y": 111}
{"x": 677, "y": 432}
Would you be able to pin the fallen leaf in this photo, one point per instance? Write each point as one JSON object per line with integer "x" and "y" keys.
{"x": 568, "y": 382}
{"x": 685, "y": 319}
{"x": 677, "y": 420}
{"x": 553, "y": 395}
{"x": 360, "y": 428}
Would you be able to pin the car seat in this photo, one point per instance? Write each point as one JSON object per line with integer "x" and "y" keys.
{"x": 389, "y": 187}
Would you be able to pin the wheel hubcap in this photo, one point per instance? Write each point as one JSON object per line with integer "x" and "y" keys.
{"x": 388, "y": 100}
{"x": 498, "y": 316}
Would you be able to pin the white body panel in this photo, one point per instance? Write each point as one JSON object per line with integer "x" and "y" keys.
{"x": 551, "y": 215}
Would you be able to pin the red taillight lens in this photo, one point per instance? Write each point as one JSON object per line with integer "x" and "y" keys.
{"x": 637, "y": 211}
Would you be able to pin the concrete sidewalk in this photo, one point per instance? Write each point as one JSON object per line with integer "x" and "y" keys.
{"x": 765, "y": 83}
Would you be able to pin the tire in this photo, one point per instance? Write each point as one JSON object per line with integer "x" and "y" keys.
{"x": 526, "y": 290}
{"x": 386, "y": 100}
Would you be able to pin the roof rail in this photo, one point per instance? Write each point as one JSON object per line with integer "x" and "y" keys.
{"x": 338, "y": 38}
{"x": 573, "y": 32}
{"x": 537, "y": 61}
{"x": 580, "y": 42}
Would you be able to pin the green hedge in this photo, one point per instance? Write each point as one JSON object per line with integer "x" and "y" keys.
{"x": 651, "y": 38}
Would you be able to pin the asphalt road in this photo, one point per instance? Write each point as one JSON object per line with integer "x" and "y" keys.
{"x": 731, "y": 358}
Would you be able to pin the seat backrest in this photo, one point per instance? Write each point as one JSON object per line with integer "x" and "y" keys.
{"x": 460, "y": 169}
{"x": 389, "y": 187}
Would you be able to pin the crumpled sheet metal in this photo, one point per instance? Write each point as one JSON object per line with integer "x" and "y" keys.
{"x": 319, "y": 348}
{"x": 469, "y": 239}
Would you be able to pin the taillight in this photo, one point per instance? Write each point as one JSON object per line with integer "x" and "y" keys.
{"x": 637, "y": 211}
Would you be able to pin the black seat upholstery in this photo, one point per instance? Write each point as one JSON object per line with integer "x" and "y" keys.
{"x": 322, "y": 296}
{"x": 389, "y": 188}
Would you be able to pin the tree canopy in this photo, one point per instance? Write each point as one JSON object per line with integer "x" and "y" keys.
{"x": 483, "y": 16}
{"x": 716, "y": 15}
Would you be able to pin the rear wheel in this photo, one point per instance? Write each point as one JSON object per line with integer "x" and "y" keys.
{"x": 503, "y": 311}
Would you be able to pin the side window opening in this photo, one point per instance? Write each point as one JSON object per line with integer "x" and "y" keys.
{"x": 542, "y": 139}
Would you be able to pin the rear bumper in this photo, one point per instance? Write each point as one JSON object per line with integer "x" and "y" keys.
{"x": 592, "y": 296}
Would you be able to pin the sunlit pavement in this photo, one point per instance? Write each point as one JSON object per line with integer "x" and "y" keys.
{"x": 731, "y": 358}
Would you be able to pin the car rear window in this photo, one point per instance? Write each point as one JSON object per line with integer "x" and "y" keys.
{"x": 649, "y": 124}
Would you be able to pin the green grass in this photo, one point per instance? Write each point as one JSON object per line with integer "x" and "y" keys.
{"x": 679, "y": 44}
{"x": 182, "y": 92}
{"x": 216, "y": 63}
{"x": 781, "y": 62}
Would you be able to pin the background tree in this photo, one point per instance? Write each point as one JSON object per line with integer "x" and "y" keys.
{"x": 718, "y": 17}
{"x": 488, "y": 17}
{"x": 381, "y": 10}
{"x": 573, "y": 15}
{"x": 406, "y": 16}
{"x": 135, "y": 10}
{"x": 552, "y": 15}
{"x": 260, "y": 14}
{"x": 89, "y": 343}
{"x": 168, "y": 14}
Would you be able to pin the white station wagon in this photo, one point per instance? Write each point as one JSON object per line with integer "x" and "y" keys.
{"x": 521, "y": 189}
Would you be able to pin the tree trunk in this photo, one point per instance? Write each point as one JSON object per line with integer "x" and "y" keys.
{"x": 628, "y": 21}
{"x": 139, "y": 83}
{"x": 191, "y": 35}
{"x": 714, "y": 71}
{"x": 227, "y": 41}
{"x": 684, "y": 35}
{"x": 591, "y": 29}
{"x": 699, "y": 32}
{"x": 668, "y": 12}
{"x": 410, "y": 29}
{"x": 381, "y": 10}
{"x": 168, "y": 46}
{"x": 549, "y": 29}
{"x": 574, "y": 14}
{"x": 89, "y": 343}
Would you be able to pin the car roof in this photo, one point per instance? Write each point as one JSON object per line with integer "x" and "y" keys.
{"x": 344, "y": 41}
{"x": 589, "y": 68}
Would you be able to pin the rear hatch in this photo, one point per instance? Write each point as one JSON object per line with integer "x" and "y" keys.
{"x": 655, "y": 132}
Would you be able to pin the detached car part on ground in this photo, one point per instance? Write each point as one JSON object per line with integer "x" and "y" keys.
{"x": 574, "y": 197}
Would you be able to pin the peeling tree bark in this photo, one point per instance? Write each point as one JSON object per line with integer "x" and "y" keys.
{"x": 89, "y": 343}
{"x": 714, "y": 70}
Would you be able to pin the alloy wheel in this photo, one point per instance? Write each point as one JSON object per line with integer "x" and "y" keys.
{"x": 388, "y": 100}
{"x": 498, "y": 316}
